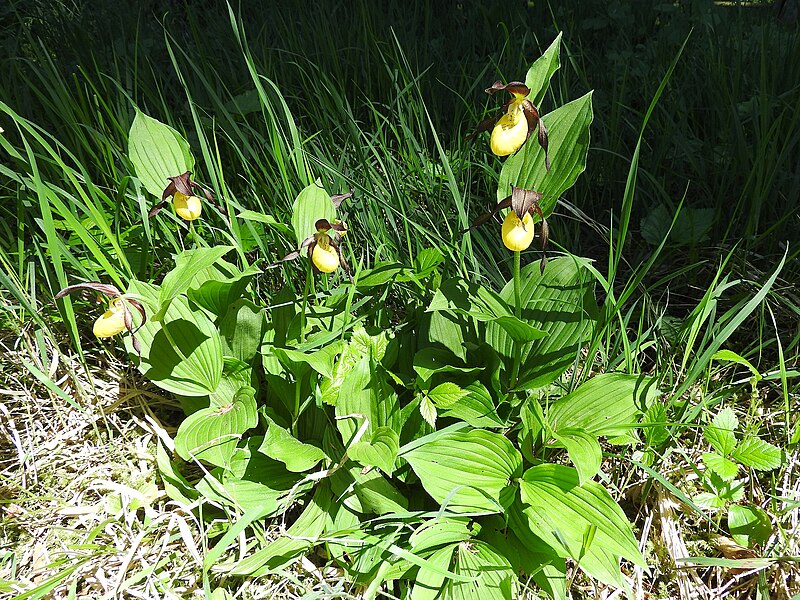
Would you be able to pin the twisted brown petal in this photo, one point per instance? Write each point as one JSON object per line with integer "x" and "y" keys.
{"x": 339, "y": 227}
{"x": 309, "y": 243}
{"x": 337, "y": 199}
{"x": 138, "y": 306}
{"x": 485, "y": 125}
{"x": 209, "y": 196}
{"x": 103, "y": 288}
{"x": 534, "y": 120}
{"x": 157, "y": 209}
{"x": 543, "y": 143}
{"x": 169, "y": 190}
{"x": 505, "y": 203}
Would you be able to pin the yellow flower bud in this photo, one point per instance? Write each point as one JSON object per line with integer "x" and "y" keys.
{"x": 187, "y": 207}
{"x": 517, "y": 234}
{"x": 510, "y": 132}
{"x": 325, "y": 258}
{"x": 111, "y": 322}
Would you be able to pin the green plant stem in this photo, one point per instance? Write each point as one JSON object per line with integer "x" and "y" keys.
{"x": 309, "y": 277}
{"x": 518, "y": 314}
{"x": 517, "y": 286}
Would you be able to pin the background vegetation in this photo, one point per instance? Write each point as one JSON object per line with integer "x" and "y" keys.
{"x": 378, "y": 97}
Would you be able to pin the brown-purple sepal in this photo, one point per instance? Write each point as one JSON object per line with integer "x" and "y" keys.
{"x": 516, "y": 88}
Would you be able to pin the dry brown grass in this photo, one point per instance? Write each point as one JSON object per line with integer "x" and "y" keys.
{"x": 82, "y": 510}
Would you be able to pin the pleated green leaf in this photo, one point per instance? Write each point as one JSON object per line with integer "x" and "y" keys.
{"x": 379, "y": 451}
{"x": 283, "y": 446}
{"x": 466, "y": 298}
{"x": 364, "y": 394}
{"x": 578, "y": 521}
{"x": 494, "y": 577}
{"x": 211, "y": 434}
{"x": 559, "y": 302}
{"x": 188, "y": 265}
{"x": 182, "y": 353}
{"x": 568, "y": 128}
{"x": 538, "y": 76}
{"x": 310, "y": 525}
{"x": 608, "y": 404}
{"x": 313, "y": 203}
{"x": 470, "y": 471}
{"x": 440, "y": 531}
{"x": 157, "y": 152}
{"x": 242, "y": 330}
{"x": 583, "y": 449}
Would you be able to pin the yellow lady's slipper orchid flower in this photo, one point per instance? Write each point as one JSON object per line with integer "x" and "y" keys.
{"x": 322, "y": 249}
{"x": 517, "y": 234}
{"x": 510, "y": 131}
{"x": 517, "y": 121}
{"x": 325, "y": 257}
{"x": 111, "y": 322}
{"x": 187, "y": 207}
{"x": 118, "y": 315}
{"x": 518, "y": 227}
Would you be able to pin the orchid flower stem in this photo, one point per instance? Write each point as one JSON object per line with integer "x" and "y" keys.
{"x": 518, "y": 314}
{"x": 517, "y": 285}
{"x": 304, "y": 307}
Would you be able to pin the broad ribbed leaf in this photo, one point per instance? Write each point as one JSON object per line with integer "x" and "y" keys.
{"x": 367, "y": 493}
{"x": 471, "y": 470}
{"x": 320, "y": 360}
{"x": 379, "y": 451}
{"x": 494, "y": 577}
{"x": 561, "y": 302}
{"x": 561, "y": 512}
{"x": 607, "y": 404}
{"x": 428, "y": 583}
{"x": 476, "y": 408}
{"x": 749, "y": 525}
{"x": 312, "y": 204}
{"x": 583, "y": 449}
{"x": 242, "y": 330}
{"x": 440, "y": 531}
{"x": 187, "y": 265}
{"x": 193, "y": 366}
{"x": 364, "y": 394}
{"x": 220, "y": 291}
{"x": 211, "y": 434}
{"x": 309, "y": 526}
{"x": 429, "y": 361}
{"x": 157, "y": 152}
{"x": 283, "y": 446}
{"x": 538, "y": 77}
{"x": 466, "y": 298}
{"x": 568, "y": 128}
